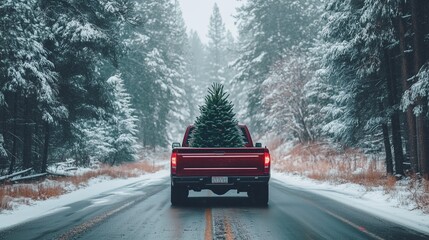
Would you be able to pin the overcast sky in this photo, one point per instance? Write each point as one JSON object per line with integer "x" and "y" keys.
{"x": 197, "y": 14}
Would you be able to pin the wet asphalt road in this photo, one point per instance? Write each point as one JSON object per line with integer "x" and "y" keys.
{"x": 145, "y": 212}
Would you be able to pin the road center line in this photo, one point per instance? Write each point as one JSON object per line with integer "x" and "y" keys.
{"x": 208, "y": 235}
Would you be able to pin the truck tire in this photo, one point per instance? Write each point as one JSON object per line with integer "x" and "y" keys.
{"x": 178, "y": 195}
{"x": 260, "y": 194}
{"x": 264, "y": 195}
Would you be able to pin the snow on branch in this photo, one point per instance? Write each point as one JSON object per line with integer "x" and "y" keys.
{"x": 418, "y": 90}
{"x": 34, "y": 176}
{"x": 15, "y": 174}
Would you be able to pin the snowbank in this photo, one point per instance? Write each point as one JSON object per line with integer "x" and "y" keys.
{"x": 375, "y": 202}
{"x": 95, "y": 186}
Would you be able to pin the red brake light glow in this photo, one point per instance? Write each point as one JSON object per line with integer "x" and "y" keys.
{"x": 267, "y": 160}
{"x": 173, "y": 162}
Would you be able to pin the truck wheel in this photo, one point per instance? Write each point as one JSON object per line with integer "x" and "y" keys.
{"x": 178, "y": 195}
{"x": 260, "y": 194}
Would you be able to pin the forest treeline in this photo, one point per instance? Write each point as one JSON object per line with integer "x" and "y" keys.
{"x": 351, "y": 72}
{"x": 84, "y": 80}
{"x": 101, "y": 79}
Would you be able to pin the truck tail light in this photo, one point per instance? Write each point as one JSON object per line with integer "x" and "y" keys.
{"x": 173, "y": 162}
{"x": 267, "y": 160}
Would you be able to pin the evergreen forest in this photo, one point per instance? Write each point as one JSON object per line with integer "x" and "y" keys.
{"x": 105, "y": 80}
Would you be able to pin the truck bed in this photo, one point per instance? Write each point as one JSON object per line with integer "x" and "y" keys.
{"x": 247, "y": 161}
{"x": 245, "y": 169}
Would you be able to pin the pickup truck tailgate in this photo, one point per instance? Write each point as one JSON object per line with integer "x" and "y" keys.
{"x": 220, "y": 161}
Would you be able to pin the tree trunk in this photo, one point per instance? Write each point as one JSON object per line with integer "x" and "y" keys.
{"x": 397, "y": 144}
{"x": 387, "y": 148}
{"x": 13, "y": 158}
{"x": 423, "y": 144}
{"x": 3, "y": 159}
{"x": 113, "y": 162}
{"x": 425, "y": 22}
{"x": 419, "y": 59}
{"x": 28, "y": 135}
{"x": 46, "y": 147}
{"x": 411, "y": 120}
{"x": 396, "y": 125}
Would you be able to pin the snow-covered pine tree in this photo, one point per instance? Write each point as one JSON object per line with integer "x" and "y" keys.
{"x": 196, "y": 57}
{"x": 110, "y": 138}
{"x": 28, "y": 86}
{"x": 289, "y": 104}
{"x": 182, "y": 108}
{"x": 216, "y": 59}
{"x": 231, "y": 51}
{"x": 340, "y": 28}
{"x": 236, "y": 88}
{"x": 146, "y": 70}
{"x": 156, "y": 73}
{"x": 84, "y": 45}
{"x": 268, "y": 29}
{"x": 356, "y": 66}
{"x": 94, "y": 141}
{"x": 416, "y": 96}
{"x": 216, "y": 126}
{"x": 209, "y": 63}
{"x": 123, "y": 127}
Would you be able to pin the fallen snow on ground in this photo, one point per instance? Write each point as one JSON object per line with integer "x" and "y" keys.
{"x": 375, "y": 202}
{"x": 95, "y": 186}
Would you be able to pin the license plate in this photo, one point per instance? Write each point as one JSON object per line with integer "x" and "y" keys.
{"x": 219, "y": 179}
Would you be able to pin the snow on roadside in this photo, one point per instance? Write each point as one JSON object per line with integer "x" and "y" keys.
{"x": 374, "y": 202}
{"x": 95, "y": 186}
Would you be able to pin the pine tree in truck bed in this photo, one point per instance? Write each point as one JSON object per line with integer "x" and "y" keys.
{"x": 216, "y": 126}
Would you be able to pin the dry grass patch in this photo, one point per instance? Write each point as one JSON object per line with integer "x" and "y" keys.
{"x": 11, "y": 194}
{"x": 6, "y": 202}
{"x": 419, "y": 192}
{"x": 321, "y": 162}
{"x": 121, "y": 171}
{"x": 275, "y": 143}
{"x": 390, "y": 184}
{"x": 23, "y": 193}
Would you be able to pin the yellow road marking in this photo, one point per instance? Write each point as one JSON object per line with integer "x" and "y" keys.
{"x": 209, "y": 225}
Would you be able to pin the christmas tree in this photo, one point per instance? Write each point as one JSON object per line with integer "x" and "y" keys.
{"x": 216, "y": 126}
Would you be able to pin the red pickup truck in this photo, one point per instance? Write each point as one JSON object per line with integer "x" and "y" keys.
{"x": 246, "y": 169}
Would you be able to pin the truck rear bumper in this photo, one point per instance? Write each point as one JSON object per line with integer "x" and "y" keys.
{"x": 197, "y": 183}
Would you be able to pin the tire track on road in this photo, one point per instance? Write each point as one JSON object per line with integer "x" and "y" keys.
{"x": 89, "y": 224}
